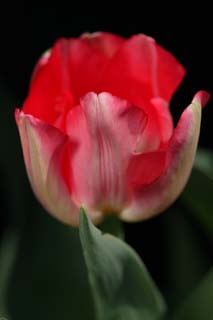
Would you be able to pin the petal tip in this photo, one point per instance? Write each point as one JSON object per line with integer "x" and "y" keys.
{"x": 202, "y": 97}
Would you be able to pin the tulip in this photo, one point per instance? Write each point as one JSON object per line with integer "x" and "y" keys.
{"x": 96, "y": 129}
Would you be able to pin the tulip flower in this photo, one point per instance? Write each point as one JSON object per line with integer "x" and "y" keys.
{"x": 96, "y": 128}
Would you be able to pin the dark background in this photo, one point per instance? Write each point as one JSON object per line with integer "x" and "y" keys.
{"x": 26, "y": 32}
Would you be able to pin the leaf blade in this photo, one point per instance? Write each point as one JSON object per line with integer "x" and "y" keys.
{"x": 120, "y": 283}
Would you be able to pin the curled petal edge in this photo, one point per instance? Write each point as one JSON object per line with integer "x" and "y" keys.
{"x": 154, "y": 198}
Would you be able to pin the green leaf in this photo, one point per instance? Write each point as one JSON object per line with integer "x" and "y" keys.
{"x": 49, "y": 279}
{"x": 121, "y": 286}
{"x": 199, "y": 306}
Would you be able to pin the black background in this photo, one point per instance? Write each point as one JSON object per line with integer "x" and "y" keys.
{"x": 26, "y": 31}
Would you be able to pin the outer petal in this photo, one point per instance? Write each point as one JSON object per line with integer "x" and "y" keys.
{"x": 157, "y": 196}
{"x": 44, "y": 148}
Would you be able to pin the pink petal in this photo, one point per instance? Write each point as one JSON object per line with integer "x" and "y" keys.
{"x": 44, "y": 149}
{"x": 157, "y": 196}
{"x": 107, "y": 131}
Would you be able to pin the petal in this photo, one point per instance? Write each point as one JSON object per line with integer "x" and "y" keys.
{"x": 170, "y": 73}
{"x": 157, "y": 196}
{"x": 144, "y": 168}
{"x": 44, "y": 149}
{"x": 147, "y": 76}
{"x": 107, "y": 131}
{"x": 50, "y": 93}
{"x": 164, "y": 119}
{"x": 89, "y": 57}
{"x": 141, "y": 60}
{"x": 159, "y": 127}
{"x": 202, "y": 97}
{"x": 104, "y": 42}
{"x": 72, "y": 68}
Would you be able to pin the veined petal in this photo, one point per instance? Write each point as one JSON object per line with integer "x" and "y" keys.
{"x": 107, "y": 131}
{"x": 157, "y": 196}
{"x": 44, "y": 147}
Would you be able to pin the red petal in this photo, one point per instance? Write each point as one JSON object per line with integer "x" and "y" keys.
{"x": 170, "y": 73}
{"x": 104, "y": 42}
{"x": 73, "y": 68}
{"x": 50, "y": 94}
{"x": 145, "y": 168}
{"x": 89, "y": 57}
{"x": 164, "y": 119}
{"x": 141, "y": 61}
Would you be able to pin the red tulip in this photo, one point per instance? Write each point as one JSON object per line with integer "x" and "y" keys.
{"x": 96, "y": 128}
